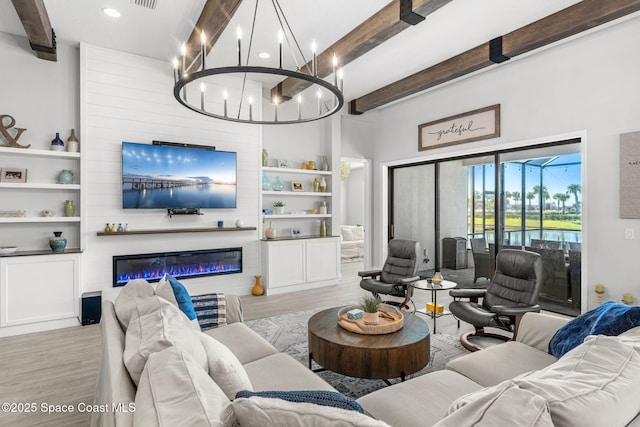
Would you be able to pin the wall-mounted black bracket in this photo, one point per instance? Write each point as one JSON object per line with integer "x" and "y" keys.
{"x": 407, "y": 14}
{"x": 183, "y": 211}
{"x": 495, "y": 51}
{"x": 46, "y": 49}
{"x": 181, "y": 144}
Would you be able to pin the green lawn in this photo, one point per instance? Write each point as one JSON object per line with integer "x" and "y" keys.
{"x": 514, "y": 223}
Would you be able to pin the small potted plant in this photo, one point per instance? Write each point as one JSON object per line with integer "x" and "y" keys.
{"x": 278, "y": 207}
{"x": 370, "y": 305}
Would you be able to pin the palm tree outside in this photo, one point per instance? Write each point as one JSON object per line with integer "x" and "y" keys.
{"x": 575, "y": 189}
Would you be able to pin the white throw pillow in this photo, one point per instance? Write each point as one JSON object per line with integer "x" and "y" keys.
{"x": 494, "y": 406}
{"x": 358, "y": 233}
{"x": 595, "y": 384}
{"x": 175, "y": 391}
{"x": 346, "y": 233}
{"x": 126, "y": 302}
{"x": 260, "y": 412}
{"x": 224, "y": 367}
{"x": 156, "y": 325}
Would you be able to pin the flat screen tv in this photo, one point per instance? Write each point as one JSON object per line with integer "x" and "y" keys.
{"x": 177, "y": 177}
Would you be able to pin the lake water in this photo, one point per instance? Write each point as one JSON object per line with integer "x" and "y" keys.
{"x": 196, "y": 196}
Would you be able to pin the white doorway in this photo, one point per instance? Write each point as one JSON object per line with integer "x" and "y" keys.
{"x": 355, "y": 211}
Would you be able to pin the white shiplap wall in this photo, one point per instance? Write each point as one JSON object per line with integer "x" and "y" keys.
{"x": 130, "y": 98}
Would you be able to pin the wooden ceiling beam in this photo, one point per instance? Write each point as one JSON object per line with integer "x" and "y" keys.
{"x": 573, "y": 20}
{"x": 377, "y": 29}
{"x": 215, "y": 16}
{"x": 35, "y": 20}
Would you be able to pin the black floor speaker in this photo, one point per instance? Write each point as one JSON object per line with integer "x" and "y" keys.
{"x": 91, "y": 307}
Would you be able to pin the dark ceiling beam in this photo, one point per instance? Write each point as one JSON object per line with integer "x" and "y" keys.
{"x": 35, "y": 20}
{"x": 377, "y": 29}
{"x": 573, "y": 20}
{"x": 215, "y": 16}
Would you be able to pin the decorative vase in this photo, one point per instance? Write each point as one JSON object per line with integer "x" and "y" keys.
{"x": 57, "y": 144}
{"x": 265, "y": 157}
{"x": 323, "y": 228}
{"x": 277, "y": 185}
{"x": 323, "y": 208}
{"x": 120, "y": 228}
{"x": 370, "y": 318}
{"x": 325, "y": 163}
{"x": 266, "y": 184}
{"x": 72, "y": 142}
{"x": 57, "y": 243}
{"x": 114, "y": 229}
{"x": 271, "y": 232}
{"x": 323, "y": 185}
{"x": 66, "y": 177}
{"x": 437, "y": 278}
{"x": 311, "y": 165}
{"x": 69, "y": 208}
{"x": 257, "y": 289}
{"x": 316, "y": 185}
{"x": 107, "y": 228}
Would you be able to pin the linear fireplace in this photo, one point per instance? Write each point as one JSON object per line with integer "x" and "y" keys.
{"x": 152, "y": 267}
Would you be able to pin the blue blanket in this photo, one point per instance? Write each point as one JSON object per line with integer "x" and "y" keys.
{"x": 611, "y": 318}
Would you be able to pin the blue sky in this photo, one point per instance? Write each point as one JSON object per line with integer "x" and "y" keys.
{"x": 156, "y": 160}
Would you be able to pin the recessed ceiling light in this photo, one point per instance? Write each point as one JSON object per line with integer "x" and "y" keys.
{"x": 111, "y": 12}
{"x": 264, "y": 55}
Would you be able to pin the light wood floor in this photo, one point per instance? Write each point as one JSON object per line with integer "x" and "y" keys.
{"x": 60, "y": 367}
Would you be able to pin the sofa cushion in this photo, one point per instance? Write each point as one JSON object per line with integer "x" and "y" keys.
{"x": 244, "y": 342}
{"x": 175, "y": 391}
{"x": 224, "y": 367}
{"x": 611, "y": 318}
{"x": 423, "y": 398}
{"x": 596, "y": 382}
{"x": 503, "y": 404}
{"x": 500, "y": 362}
{"x": 282, "y": 372}
{"x": 260, "y": 412}
{"x": 126, "y": 301}
{"x": 157, "y": 324}
{"x": 317, "y": 397}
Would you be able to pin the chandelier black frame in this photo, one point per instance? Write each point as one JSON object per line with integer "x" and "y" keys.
{"x": 182, "y": 79}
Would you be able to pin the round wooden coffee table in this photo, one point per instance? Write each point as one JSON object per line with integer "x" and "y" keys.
{"x": 368, "y": 356}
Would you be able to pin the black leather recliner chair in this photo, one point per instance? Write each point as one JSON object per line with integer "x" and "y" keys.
{"x": 398, "y": 273}
{"x": 513, "y": 291}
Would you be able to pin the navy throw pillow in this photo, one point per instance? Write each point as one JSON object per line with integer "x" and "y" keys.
{"x": 318, "y": 397}
{"x": 611, "y": 318}
{"x": 183, "y": 298}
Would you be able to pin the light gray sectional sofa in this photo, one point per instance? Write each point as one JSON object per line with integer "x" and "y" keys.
{"x": 159, "y": 369}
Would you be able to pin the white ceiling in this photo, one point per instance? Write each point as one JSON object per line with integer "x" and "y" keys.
{"x": 456, "y": 27}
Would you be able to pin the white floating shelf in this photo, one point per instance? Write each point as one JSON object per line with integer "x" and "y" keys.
{"x": 295, "y": 193}
{"x": 296, "y": 171}
{"x": 35, "y": 219}
{"x": 39, "y": 186}
{"x": 38, "y": 153}
{"x": 289, "y": 216}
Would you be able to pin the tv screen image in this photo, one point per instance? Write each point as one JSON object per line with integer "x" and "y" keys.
{"x": 170, "y": 177}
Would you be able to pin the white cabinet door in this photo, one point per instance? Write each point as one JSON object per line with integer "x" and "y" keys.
{"x": 285, "y": 263}
{"x": 322, "y": 259}
{"x": 39, "y": 288}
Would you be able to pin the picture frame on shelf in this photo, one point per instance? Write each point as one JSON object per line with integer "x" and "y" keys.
{"x": 297, "y": 186}
{"x": 295, "y": 232}
{"x": 13, "y": 175}
{"x": 283, "y": 163}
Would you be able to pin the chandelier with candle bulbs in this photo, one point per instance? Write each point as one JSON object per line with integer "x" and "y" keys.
{"x": 192, "y": 92}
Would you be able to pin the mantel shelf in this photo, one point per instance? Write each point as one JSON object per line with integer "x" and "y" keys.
{"x": 174, "y": 230}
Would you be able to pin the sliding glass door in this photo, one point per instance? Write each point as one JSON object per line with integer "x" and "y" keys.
{"x": 522, "y": 199}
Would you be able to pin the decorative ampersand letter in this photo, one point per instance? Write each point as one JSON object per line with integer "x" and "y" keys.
{"x": 4, "y": 130}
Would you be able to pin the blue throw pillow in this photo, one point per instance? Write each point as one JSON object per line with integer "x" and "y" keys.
{"x": 611, "y": 319}
{"x": 318, "y": 397}
{"x": 183, "y": 298}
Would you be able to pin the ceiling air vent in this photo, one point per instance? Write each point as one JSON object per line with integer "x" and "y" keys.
{"x": 149, "y": 4}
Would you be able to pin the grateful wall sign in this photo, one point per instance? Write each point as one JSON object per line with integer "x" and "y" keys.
{"x": 475, "y": 125}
